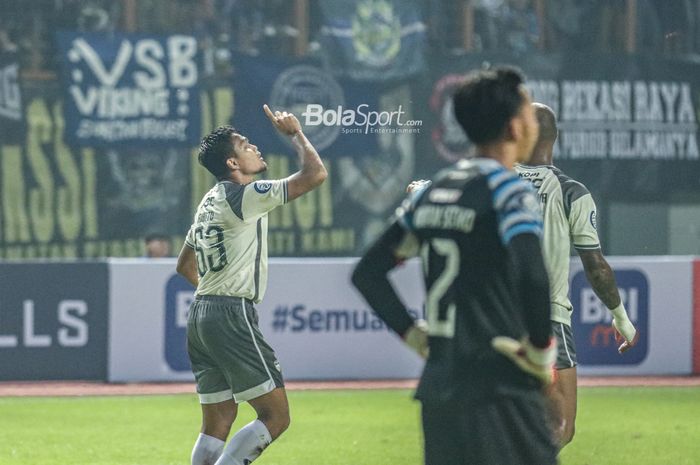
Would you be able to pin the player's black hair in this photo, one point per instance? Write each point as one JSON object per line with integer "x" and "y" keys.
{"x": 215, "y": 149}
{"x": 486, "y": 101}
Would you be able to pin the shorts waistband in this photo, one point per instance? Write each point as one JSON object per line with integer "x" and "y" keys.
{"x": 222, "y": 298}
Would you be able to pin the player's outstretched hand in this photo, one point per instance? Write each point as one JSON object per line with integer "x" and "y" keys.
{"x": 286, "y": 123}
{"x": 625, "y": 333}
{"x": 537, "y": 362}
{"x": 417, "y": 338}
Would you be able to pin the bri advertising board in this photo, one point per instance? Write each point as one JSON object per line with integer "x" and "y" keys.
{"x": 657, "y": 293}
{"x": 320, "y": 327}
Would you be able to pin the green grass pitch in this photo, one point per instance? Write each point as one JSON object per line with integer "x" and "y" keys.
{"x": 616, "y": 426}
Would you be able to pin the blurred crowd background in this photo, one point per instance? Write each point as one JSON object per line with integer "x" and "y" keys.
{"x": 60, "y": 200}
{"x": 292, "y": 27}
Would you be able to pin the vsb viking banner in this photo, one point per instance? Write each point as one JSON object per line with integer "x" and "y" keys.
{"x": 373, "y": 39}
{"x": 10, "y": 100}
{"x": 130, "y": 90}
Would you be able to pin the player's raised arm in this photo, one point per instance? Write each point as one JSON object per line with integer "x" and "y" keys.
{"x": 312, "y": 172}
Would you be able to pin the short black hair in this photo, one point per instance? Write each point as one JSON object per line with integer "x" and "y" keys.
{"x": 486, "y": 101}
{"x": 215, "y": 149}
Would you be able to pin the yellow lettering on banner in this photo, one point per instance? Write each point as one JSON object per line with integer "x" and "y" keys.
{"x": 13, "y": 196}
{"x": 217, "y": 108}
{"x": 223, "y": 106}
{"x": 280, "y": 242}
{"x": 90, "y": 249}
{"x": 200, "y": 178}
{"x": 328, "y": 240}
{"x": 13, "y": 252}
{"x": 41, "y": 197}
{"x": 278, "y": 168}
{"x": 89, "y": 193}
{"x": 68, "y": 195}
{"x": 305, "y": 210}
{"x": 325, "y": 200}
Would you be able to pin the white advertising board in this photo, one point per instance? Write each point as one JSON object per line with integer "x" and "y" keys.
{"x": 322, "y": 329}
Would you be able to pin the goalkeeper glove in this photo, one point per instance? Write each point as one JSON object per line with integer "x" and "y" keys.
{"x": 625, "y": 333}
{"x": 417, "y": 185}
{"x": 416, "y": 337}
{"x": 537, "y": 362}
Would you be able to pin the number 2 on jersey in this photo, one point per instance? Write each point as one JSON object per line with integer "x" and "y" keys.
{"x": 208, "y": 262}
{"x": 440, "y": 311}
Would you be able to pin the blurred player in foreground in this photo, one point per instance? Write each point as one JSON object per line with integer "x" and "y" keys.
{"x": 225, "y": 257}
{"x": 488, "y": 340}
{"x": 569, "y": 214}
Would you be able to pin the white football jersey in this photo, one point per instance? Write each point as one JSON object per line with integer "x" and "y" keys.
{"x": 229, "y": 236}
{"x": 569, "y": 215}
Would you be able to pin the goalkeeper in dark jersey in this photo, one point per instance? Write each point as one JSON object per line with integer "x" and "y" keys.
{"x": 487, "y": 340}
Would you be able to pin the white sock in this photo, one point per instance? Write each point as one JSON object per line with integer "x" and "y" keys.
{"x": 207, "y": 450}
{"x": 246, "y": 445}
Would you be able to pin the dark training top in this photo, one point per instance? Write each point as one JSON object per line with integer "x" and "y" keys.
{"x": 477, "y": 229}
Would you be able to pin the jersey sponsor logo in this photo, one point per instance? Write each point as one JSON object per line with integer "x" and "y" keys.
{"x": 592, "y": 321}
{"x": 262, "y": 186}
{"x": 178, "y": 297}
{"x": 594, "y": 223}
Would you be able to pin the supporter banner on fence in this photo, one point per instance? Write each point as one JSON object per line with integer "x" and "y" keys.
{"x": 64, "y": 202}
{"x": 373, "y": 40}
{"x": 130, "y": 89}
{"x": 620, "y": 117}
{"x": 53, "y": 321}
{"x": 365, "y": 135}
{"x": 11, "y": 111}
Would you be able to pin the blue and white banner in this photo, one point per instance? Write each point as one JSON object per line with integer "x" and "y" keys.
{"x": 340, "y": 118}
{"x": 130, "y": 89}
{"x": 11, "y": 115}
{"x": 373, "y": 40}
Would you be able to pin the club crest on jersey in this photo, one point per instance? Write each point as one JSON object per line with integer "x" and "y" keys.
{"x": 594, "y": 223}
{"x": 262, "y": 186}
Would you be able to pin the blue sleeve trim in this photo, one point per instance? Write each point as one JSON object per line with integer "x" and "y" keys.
{"x": 522, "y": 228}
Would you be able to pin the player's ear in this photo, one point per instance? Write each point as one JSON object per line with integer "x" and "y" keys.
{"x": 232, "y": 163}
{"x": 514, "y": 130}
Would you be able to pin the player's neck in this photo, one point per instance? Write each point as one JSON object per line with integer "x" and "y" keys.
{"x": 540, "y": 158}
{"x": 239, "y": 178}
{"x": 503, "y": 152}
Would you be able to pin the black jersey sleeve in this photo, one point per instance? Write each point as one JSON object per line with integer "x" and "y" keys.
{"x": 533, "y": 286}
{"x": 370, "y": 278}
